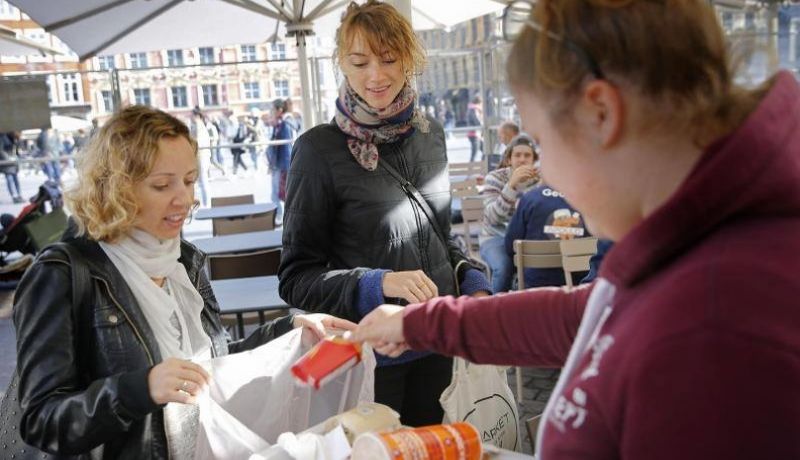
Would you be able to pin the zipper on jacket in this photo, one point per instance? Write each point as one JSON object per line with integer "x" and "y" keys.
{"x": 146, "y": 350}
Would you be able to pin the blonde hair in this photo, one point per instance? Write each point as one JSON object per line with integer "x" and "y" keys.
{"x": 119, "y": 156}
{"x": 641, "y": 43}
{"x": 384, "y": 29}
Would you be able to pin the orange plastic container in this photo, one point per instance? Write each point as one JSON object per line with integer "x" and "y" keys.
{"x": 458, "y": 441}
{"x": 326, "y": 360}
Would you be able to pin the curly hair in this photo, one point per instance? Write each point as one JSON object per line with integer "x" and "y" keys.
{"x": 119, "y": 156}
{"x": 383, "y": 28}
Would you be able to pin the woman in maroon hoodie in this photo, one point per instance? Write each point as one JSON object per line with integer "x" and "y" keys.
{"x": 688, "y": 344}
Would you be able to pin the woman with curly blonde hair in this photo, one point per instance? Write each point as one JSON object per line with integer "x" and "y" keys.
{"x": 110, "y": 373}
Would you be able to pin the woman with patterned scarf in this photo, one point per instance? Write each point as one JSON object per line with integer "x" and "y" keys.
{"x": 355, "y": 234}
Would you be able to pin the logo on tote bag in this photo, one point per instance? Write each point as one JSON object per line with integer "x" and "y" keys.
{"x": 503, "y": 432}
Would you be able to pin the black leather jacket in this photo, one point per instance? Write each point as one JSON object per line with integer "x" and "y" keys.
{"x": 342, "y": 220}
{"x": 83, "y": 368}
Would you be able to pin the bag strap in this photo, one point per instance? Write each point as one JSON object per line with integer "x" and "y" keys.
{"x": 414, "y": 194}
{"x": 417, "y": 197}
{"x": 81, "y": 279}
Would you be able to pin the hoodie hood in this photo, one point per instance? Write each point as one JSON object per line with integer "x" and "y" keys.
{"x": 752, "y": 173}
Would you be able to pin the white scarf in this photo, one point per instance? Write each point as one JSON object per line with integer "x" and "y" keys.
{"x": 139, "y": 257}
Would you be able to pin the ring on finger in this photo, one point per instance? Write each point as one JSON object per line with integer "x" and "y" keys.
{"x": 185, "y": 386}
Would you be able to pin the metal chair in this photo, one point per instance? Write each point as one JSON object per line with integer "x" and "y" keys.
{"x": 575, "y": 256}
{"x": 472, "y": 213}
{"x": 232, "y": 200}
{"x": 245, "y": 265}
{"x": 469, "y": 168}
{"x": 569, "y": 255}
{"x": 464, "y": 188}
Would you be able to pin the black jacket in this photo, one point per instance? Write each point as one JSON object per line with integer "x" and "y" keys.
{"x": 83, "y": 369}
{"x": 342, "y": 220}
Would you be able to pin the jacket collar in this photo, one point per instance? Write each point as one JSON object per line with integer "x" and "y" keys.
{"x": 752, "y": 173}
{"x": 101, "y": 267}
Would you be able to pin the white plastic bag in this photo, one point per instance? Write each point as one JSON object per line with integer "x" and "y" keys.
{"x": 480, "y": 395}
{"x": 253, "y": 398}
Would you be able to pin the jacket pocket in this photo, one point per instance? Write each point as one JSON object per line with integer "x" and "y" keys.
{"x": 111, "y": 330}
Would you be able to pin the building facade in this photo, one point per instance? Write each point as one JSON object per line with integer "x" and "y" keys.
{"x": 238, "y": 78}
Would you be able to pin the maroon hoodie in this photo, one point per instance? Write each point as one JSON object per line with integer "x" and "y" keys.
{"x": 689, "y": 346}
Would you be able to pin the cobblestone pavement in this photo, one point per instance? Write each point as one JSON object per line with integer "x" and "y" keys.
{"x": 537, "y": 385}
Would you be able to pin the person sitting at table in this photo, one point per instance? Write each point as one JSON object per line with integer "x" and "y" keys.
{"x": 503, "y": 188}
{"x": 544, "y": 214}
{"x": 354, "y": 233}
{"x": 507, "y": 131}
{"x": 113, "y": 376}
{"x": 687, "y": 345}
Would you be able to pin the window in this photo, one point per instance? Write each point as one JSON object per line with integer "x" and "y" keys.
{"x": 179, "y": 98}
{"x": 727, "y": 21}
{"x": 464, "y": 68}
{"x": 210, "y": 96}
{"x": 474, "y": 26}
{"x": 749, "y": 21}
{"x": 8, "y": 11}
{"x": 108, "y": 102}
{"x": 281, "y": 88}
{"x": 141, "y": 96}
{"x": 70, "y": 87}
{"x": 105, "y": 62}
{"x": 252, "y": 90}
{"x": 138, "y": 60}
{"x": 37, "y": 35}
{"x": 249, "y": 53}
{"x": 174, "y": 57}
{"x": 278, "y": 50}
{"x": 321, "y": 73}
{"x": 51, "y": 82}
{"x": 206, "y": 55}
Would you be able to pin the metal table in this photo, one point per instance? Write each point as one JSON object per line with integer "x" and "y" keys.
{"x": 234, "y": 211}
{"x": 245, "y": 295}
{"x": 240, "y": 242}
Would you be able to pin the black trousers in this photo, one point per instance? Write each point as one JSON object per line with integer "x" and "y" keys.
{"x": 413, "y": 389}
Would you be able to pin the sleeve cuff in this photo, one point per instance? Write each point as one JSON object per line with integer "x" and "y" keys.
{"x": 370, "y": 291}
{"x": 474, "y": 281}
{"x": 134, "y": 395}
{"x": 510, "y": 193}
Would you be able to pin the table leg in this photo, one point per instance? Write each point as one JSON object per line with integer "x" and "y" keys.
{"x": 240, "y": 325}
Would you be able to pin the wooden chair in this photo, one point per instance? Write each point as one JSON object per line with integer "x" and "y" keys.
{"x": 232, "y": 200}
{"x": 470, "y": 168}
{"x": 260, "y": 222}
{"x": 257, "y": 263}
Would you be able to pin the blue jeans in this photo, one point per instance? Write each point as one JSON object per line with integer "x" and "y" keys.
{"x": 52, "y": 169}
{"x": 493, "y": 252}
{"x": 12, "y": 181}
{"x": 276, "y": 184}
